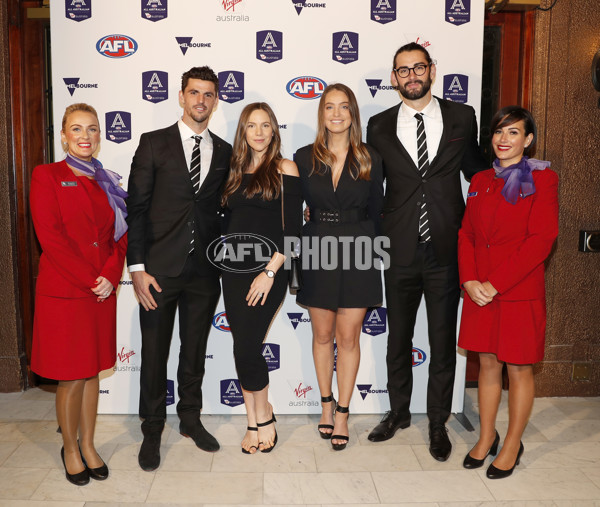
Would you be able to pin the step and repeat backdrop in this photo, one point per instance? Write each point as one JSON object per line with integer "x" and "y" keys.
{"x": 126, "y": 59}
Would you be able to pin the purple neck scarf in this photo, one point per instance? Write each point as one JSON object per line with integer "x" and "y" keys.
{"x": 109, "y": 182}
{"x": 518, "y": 178}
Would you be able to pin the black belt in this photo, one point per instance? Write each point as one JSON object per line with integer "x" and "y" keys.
{"x": 337, "y": 216}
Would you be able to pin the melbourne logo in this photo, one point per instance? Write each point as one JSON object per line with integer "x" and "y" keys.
{"x": 155, "y": 86}
{"x": 365, "y": 389}
{"x": 118, "y": 126}
{"x": 78, "y": 10}
{"x": 269, "y": 45}
{"x": 186, "y": 43}
{"x": 170, "y": 392}
{"x": 241, "y": 252}
{"x": 345, "y": 47}
{"x": 270, "y": 352}
{"x": 116, "y": 46}
{"x": 383, "y": 11}
{"x": 154, "y": 10}
{"x": 296, "y": 318}
{"x": 221, "y": 323}
{"x": 301, "y": 4}
{"x": 375, "y": 321}
{"x": 73, "y": 83}
{"x": 418, "y": 357}
{"x": 456, "y": 87}
{"x": 458, "y": 12}
{"x": 231, "y": 86}
{"x": 306, "y": 87}
{"x": 374, "y": 85}
{"x": 231, "y": 392}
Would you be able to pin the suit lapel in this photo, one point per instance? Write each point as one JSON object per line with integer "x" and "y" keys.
{"x": 177, "y": 155}
{"x": 447, "y": 129}
{"x": 217, "y": 147}
{"x": 392, "y": 130}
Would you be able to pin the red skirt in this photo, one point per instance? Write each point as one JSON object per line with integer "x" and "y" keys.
{"x": 73, "y": 338}
{"x": 513, "y": 330}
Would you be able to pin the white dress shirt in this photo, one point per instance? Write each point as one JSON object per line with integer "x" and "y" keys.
{"x": 188, "y": 142}
{"x": 406, "y": 128}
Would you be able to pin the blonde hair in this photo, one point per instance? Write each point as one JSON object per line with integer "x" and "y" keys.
{"x": 73, "y": 108}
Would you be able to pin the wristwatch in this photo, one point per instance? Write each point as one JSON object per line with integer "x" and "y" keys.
{"x": 269, "y": 273}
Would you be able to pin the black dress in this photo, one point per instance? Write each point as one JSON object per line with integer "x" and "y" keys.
{"x": 358, "y": 206}
{"x": 257, "y": 223}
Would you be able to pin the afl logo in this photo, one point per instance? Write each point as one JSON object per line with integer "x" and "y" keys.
{"x": 418, "y": 357}
{"x": 220, "y": 322}
{"x": 116, "y": 46}
{"x": 306, "y": 87}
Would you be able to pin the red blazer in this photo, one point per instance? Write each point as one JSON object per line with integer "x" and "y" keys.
{"x": 510, "y": 254}
{"x": 73, "y": 253}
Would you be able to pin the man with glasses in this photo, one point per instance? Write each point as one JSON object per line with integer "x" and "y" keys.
{"x": 425, "y": 142}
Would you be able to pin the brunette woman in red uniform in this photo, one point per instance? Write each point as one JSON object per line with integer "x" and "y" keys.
{"x": 509, "y": 227}
{"x": 78, "y": 211}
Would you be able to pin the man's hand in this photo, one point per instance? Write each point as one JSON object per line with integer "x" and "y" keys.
{"x": 141, "y": 285}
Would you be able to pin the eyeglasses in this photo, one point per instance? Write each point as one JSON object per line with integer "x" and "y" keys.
{"x": 418, "y": 69}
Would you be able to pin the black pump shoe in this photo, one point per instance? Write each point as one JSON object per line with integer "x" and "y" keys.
{"x": 79, "y": 479}
{"x": 346, "y": 438}
{"x": 326, "y": 436}
{"x": 471, "y": 462}
{"x": 496, "y": 473}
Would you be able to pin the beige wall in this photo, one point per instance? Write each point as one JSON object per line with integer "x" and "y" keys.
{"x": 565, "y": 105}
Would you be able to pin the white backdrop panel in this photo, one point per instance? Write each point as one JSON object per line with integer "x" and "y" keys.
{"x": 224, "y": 36}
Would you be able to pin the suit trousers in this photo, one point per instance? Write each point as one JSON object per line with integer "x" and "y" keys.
{"x": 404, "y": 287}
{"x": 196, "y": 297}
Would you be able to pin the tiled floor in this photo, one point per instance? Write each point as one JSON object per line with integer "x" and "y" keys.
{"x": 560, "y": 466}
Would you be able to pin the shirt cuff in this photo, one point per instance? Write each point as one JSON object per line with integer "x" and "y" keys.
{"x": 136, "y": 267}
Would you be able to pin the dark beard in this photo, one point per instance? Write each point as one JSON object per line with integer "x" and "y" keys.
{"x": 415, "y": 94}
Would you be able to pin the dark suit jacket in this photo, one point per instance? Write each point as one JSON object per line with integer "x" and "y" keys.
{"x": 163, "y": 209}
{"x": 74, "y": 253}
{"x": 458, "y": 150}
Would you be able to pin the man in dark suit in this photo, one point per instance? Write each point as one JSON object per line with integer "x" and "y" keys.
{"x": 425, "y": 142}
{"x": 175, "y": 185}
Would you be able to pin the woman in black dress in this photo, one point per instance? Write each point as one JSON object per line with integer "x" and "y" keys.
{"x": 342, "y": 183}
{"x": 254, "y": 285}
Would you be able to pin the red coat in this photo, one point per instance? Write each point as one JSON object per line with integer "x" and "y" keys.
{"x": 73, "y": 255}
{"x": 509, "y": 249}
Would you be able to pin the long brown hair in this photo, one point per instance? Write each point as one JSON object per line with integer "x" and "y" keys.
{"x": 359, "y": 158}
{"x": 266, "y": 178}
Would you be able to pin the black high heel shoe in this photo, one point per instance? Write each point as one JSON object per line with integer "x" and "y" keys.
{"x": 342, "y": 446}
{"x": 250, "y": 428}
{"x": 79, "y": 479}
{"x": 99, "y": 473}
{"x": 496, "y": 473}
{"x": 273, "y": 420}
{"x": 471, "y": 462}
{"x": 326, "y": 436}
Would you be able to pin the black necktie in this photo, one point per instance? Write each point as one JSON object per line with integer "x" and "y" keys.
{"x": 195, "y": 174}
{"x": 195, "y": 164}
{"x": 423, "y": 163}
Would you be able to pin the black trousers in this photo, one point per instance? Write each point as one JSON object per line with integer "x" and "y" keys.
{"x": 196, "y": 297}
{"x": 404, "y": 287}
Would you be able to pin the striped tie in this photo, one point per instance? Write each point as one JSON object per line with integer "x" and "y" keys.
{"x": 423, "y": 159}
{"x": 195, "y": 174}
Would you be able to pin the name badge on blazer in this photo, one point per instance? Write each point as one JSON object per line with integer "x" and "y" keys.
{"x": 472, "y": 194}
{"x": 68, "y": 183}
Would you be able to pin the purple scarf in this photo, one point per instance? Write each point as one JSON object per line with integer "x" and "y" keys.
{"x": 109, "y": 182}
{"x": 518, "y": 178}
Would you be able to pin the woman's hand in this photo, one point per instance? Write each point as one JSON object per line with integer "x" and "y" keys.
{"x": 259, "y": 289}
{"x": 103, "y": 288}
{"x": 478, "y": 292}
